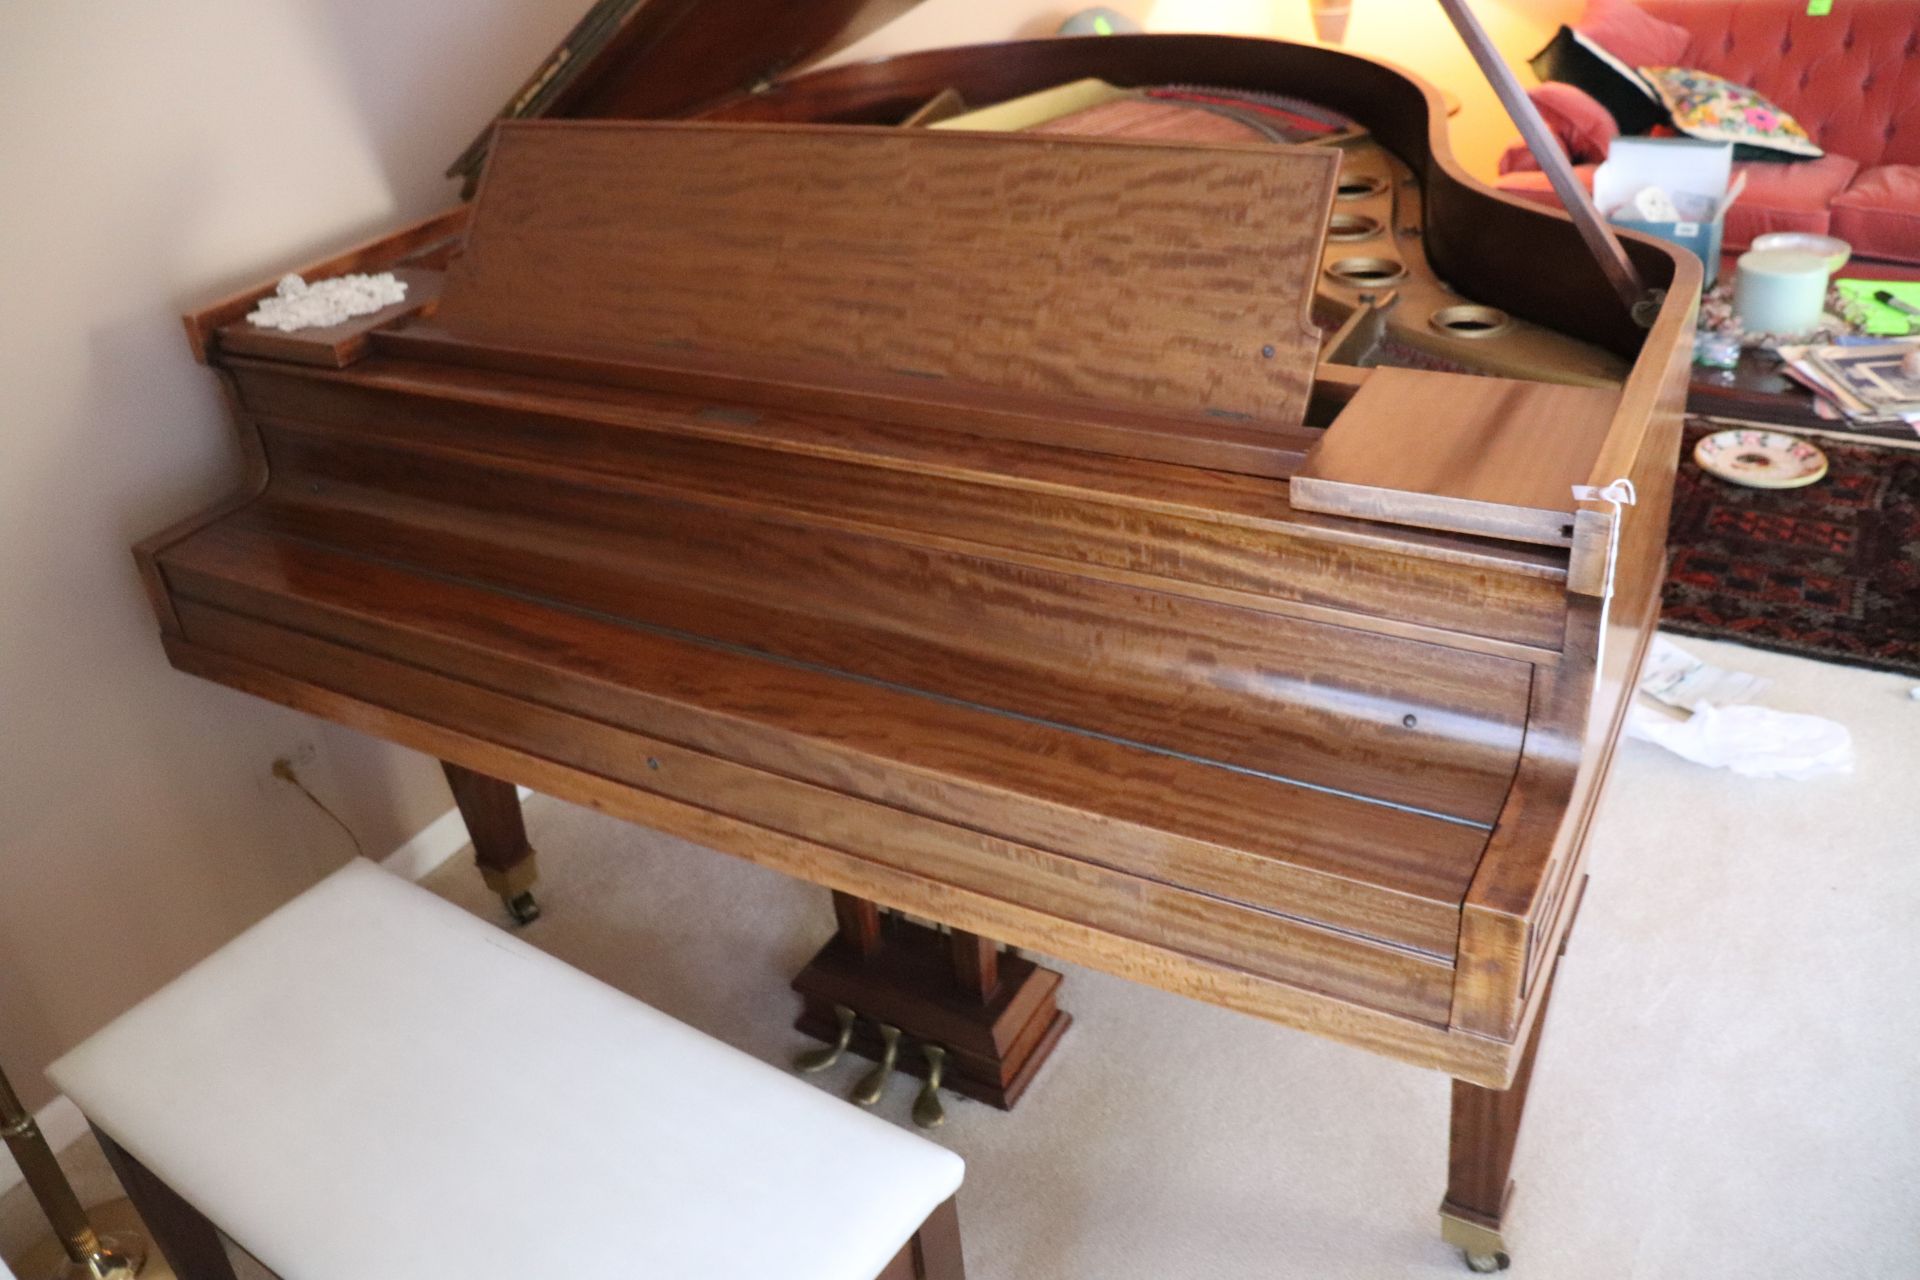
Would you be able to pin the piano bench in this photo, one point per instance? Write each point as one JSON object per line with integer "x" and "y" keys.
{"x": 373, "y": 1084}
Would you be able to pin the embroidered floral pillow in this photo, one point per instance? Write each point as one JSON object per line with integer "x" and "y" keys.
{"x": 1714, "y": 110}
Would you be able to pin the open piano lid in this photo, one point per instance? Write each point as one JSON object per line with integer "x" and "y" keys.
{"x": 645, "y": 59}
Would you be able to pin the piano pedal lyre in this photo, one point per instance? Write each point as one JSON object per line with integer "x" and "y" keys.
{"x": 928, "y": 1112}
{"x": 819, "y": 1059}
{"x": 874, "y": 1083}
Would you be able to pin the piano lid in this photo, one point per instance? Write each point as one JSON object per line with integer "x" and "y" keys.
{"x": 645, "y": 59}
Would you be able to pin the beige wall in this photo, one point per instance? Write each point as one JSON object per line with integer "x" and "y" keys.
{"x": 154, "y": 156}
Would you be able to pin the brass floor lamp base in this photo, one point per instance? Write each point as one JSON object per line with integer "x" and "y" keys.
{"x": 114, "y": 1220}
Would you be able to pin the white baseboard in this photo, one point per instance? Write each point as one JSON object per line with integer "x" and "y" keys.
{"x": 423, "y": 853}
{"x": 417, "y": 857}
{"x": 427, "y": 848}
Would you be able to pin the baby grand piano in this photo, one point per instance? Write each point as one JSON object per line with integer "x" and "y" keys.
{"x": 1129, "y": 499}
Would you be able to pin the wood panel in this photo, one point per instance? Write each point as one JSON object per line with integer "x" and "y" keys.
{"x": 1481, "y": 1059}
{"x": 1369, "y": 869}
{"x": 1403, "y": 983}
{"x": 1476, "y": 455}
{"x": 1471, "y": 230}
{"x": 1174, "y": 525}
{"x": 1409, "y": 723}
{"x": 1538, "y": 847}
{"x": 887, "y": 395}
{"x": 1175, "y": 279}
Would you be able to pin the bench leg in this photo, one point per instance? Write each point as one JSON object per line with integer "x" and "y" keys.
{"x": 491, "y": 809}
{"x": 934, "y": 1251}
{"x": 191, "y": 1244}
{"x": 936, "y": 1246}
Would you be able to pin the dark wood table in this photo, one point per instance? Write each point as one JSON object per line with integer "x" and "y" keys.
{"x": 1758, "y": 390}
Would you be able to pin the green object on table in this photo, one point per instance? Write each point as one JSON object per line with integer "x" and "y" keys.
{"x": 1882, "y": 319}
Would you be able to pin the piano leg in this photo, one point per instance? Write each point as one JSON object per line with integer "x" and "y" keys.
{"x": 990, "y": 1016}
{"x": 1485, "y": 1126}
{"x": 491, "y": 809}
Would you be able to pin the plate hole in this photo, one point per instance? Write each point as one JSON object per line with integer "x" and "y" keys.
{"x": 1470, "y": 321}
{"x": 1360, "y": 187}
{"x": 1753, "y": 460}
{"x": 1365, "y": 271}
{"x": 1352, "y": 226}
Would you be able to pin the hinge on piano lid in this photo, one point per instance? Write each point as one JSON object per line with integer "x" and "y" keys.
{"x": 1642, "y": 303}
{"x": 1647, "y": 310}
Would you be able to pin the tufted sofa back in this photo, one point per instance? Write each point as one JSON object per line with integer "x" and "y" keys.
{"x": 1851, "y": 77}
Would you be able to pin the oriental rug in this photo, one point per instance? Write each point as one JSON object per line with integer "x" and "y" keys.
{"x": 1831, "y": 571}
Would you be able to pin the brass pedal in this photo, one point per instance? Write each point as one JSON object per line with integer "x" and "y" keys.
{"x": 928, "y": 1112}
{"x": 820, "y": 1059}
{"x": 874, "y": 1083}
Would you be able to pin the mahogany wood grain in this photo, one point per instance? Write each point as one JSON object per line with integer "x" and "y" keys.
{"x": 1313, "y": 703}
{"x": 190, "y": 1243}
{"x": 995, "y": 1043}
{"x": 859, "y": 924}
{"x": 1471, "y": 231}
{"x": 976, "y": 963}
{"x": 1464, "y": 1056}
{"x": 491, "y": 810}
{"x": 1517, "y": 910}
{"x": 1408, "y": 984}
{"x": 1373, "y": 870}
{"x": 1471, "y": 454}
{"x": 1231, "y": 537}
{"x": 669, "y": 56}
{"x": 1483, "y": 1129}
{"x": 887, "y": 395}
{"x": 1168, "y": 279}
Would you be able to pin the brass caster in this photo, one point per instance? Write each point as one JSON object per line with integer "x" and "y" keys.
{"x": 122, "y": 1253}
{"x": 1486, "y": 1263}
{"x": 874, "y": 1083}
{"x": 826, "y": 1055}
{"x": 927, "y": 1111}
{"x": 523, "y": 908}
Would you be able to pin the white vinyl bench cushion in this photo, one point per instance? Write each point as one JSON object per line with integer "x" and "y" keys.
{"x": 373, "y": 1083}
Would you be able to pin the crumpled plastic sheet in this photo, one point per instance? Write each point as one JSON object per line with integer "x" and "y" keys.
{"x": 1755, "y": 742}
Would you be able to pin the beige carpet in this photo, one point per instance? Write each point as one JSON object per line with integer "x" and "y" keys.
{"x": 1730, "y": 1084}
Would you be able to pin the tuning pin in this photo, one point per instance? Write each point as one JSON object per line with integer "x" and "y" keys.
{"x": 874, "y": 1083}
{"x": 826, "y": 1055}
{"x": 927, "y": 1111}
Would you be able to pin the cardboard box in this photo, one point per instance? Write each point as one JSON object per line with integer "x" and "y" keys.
{"x": 1683, "y": 168}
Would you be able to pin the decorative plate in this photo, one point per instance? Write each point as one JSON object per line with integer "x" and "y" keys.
{"x": 1760, "y": 459}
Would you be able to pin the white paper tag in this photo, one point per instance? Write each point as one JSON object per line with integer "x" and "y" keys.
{"x": 1679, "y": 679}
{"x": 1686, "y": 228}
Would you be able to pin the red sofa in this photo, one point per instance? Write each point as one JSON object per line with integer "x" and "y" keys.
{"x": 1852, "y": 79}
